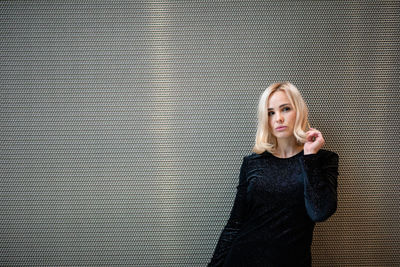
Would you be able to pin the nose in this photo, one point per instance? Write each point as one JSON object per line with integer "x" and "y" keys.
{"x": 279, "y": 117}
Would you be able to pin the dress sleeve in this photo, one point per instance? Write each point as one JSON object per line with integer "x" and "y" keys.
{"x": 320, "y": 185}
{"x": 234, "y": 223}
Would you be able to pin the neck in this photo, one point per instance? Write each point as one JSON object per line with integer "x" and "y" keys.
{"x": 287, "y": 148}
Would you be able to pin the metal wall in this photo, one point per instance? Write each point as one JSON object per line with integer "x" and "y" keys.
{"x": 123, "y": 124}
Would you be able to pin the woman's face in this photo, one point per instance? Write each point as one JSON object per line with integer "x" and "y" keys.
{"x": 281, "y": 115}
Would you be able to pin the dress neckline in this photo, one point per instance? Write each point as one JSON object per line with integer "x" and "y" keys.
{"x": 294, "y": 156}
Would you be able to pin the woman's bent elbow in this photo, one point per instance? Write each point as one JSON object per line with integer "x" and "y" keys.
{"x": 325, "y": 214}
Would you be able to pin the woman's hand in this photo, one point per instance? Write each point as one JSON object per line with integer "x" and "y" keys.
{"x": 314, "y": 141}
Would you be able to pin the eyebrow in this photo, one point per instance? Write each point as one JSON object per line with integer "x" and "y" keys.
{"x": 280, "y": 106}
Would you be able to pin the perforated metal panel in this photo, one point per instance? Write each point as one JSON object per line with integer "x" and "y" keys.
{"x": 123, "y": 124}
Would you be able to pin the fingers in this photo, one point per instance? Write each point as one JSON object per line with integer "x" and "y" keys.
{"x": 314, "y": 142}
{"x": 313, "y": 130}
{"x": 312, "y": 137}
{"x": 313, "y": 134}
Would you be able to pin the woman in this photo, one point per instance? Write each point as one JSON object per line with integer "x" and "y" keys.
{"x": 287, "y": 185}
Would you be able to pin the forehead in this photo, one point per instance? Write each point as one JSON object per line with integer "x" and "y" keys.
{"x": 278, "y": 98}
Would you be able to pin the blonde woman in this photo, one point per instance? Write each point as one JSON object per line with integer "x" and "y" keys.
{"x": 287, "y": 185}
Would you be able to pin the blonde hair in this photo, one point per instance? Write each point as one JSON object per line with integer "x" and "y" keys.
{"x": 265, "y": 141}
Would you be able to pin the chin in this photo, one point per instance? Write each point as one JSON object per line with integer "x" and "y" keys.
{"x": 283, "y": 135}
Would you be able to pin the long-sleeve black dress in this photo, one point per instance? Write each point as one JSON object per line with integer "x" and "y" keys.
{"x": 277, "y": 203}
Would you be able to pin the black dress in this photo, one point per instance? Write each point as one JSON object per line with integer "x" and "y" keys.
{"x": 277, "y": 203}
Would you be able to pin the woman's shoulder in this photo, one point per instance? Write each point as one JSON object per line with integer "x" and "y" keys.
{"x": 253, "y": 159}
{"x": 327, "y": 153}
{"x": 253, "y": 156}
{"x": 324, "y": 157}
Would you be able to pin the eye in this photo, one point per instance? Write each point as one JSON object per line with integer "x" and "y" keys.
{"x": 270, "y": 113}
{"x": 286, "y": 108}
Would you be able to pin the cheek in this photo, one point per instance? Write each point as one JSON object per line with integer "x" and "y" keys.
{"x": 270, "y": 124}
{"x": 293, "y": 117}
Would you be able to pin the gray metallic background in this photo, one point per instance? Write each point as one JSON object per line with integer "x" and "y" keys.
{"x": 124, "y": 124}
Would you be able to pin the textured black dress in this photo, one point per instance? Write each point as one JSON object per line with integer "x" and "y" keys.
{"x": 277, "y": 203}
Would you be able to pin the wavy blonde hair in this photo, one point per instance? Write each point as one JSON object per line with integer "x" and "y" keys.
{"x": 265, "y": 141}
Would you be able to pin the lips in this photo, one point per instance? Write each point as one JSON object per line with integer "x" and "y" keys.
{"x": 280, "y": 128}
